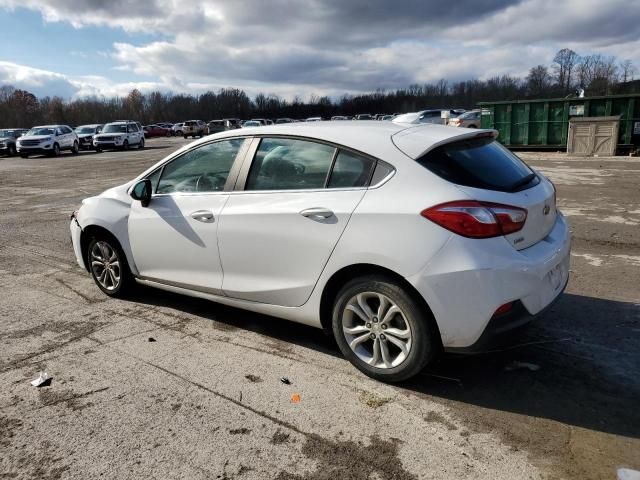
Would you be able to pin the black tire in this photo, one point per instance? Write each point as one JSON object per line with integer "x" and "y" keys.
{"x": 425, "y": 339}
{"x": 125, "y": 145}
{"x": 185, "y": 137}
{"x": 141, "y": 144}
{"x": 56, "y": 150}
{"x": 24, "y": 155}
{"x": 126, "y": 281}
{"x": 75, "y": 149}
{"x": 98, "y": 150}
{"x": 11, "y": 150}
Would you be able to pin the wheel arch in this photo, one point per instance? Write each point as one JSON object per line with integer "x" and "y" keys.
{"x": 90, "y": 232}
{"x": 342, "y": 276}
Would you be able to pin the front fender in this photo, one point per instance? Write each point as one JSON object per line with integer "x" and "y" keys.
{"x": 111, "y": 214}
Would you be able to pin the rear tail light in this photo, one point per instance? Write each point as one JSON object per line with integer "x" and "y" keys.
{"x": 473, "y": 219}
{"x": 502, "y": 309}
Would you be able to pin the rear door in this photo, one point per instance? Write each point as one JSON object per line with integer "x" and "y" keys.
{"x": 278, "y": 231}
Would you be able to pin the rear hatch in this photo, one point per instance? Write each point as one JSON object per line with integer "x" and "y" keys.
{"x": 486, "y": 171}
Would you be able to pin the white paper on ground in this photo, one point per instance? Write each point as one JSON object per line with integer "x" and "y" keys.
{"x": 628, "y": 474}
{"x": 43, "y": 377}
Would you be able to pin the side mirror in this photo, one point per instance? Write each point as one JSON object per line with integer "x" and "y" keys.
{"x": 142, "y": 191}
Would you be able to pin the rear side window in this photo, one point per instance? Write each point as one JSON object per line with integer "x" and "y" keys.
{"x": 480, "y": 163}
{"x": 350, "y": 170}
{"x": 287, "y": 164}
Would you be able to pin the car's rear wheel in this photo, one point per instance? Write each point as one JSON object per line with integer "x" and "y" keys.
{"x": 382, "y": 329}
{"x": 108, "y": 266}
{"x": 125, "y": 145}
{"x": 141, "y": 144}
{"x": 11, "y": 150}
{"x": 56, "y": 150}
{"x": 75, "y": 149}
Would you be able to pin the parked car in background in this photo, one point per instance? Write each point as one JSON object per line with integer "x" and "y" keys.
{"x": 194, "y": 128}
{"x": 119, "y": 135}
{"x": 263, "y": 121}
{"x": 216, "y": 126}
{"x": 48, "y": 140}
{"x": 176, "y": 130}
{"x": 428, "y": 116}
{"x": 8, "y": 138}
{"x": 284, "y": 120}
{"x": 463, "y": 240}
{"x": 386, "y": 117}
{"x": 235, "y": 122}
{"x": 338, "y": 117}
{"x": 165, "y": 125}
{"x": 470, "y": 119}
{"x": 86, "y": 133}
{"x": 314, "y": 119}
{"x": 156, "y": 130}
{"x": 252, "y": 123}
{"x": 363, "y": 116}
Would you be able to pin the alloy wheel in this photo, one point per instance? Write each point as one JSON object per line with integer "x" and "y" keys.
{"x": 376, "y": 330}
{"x": 105, "y": 265}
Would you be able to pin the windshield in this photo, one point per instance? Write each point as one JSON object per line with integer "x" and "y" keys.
{"x": 9, "y": 133}
{"x": 115, "y": 128}
{"x": 85, "y": 130}
{"x": 41, "y": 131}
{"x": 469, "y": 115}
{"x": 479, "y": 163}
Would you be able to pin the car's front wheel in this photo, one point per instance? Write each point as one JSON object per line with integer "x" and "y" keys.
{"x": 382, "y": 329}
{"x": 75, "y": 148}
{"x": 108, "y": 266}
{"x": 141, "y": 144}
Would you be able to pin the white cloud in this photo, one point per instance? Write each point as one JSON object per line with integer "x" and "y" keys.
{"x": 290, "y": 47}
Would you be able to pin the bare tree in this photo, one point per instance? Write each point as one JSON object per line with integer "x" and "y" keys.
{"x": 538, "y": 81}
{"x": 626, "y": 70}
{"x": 563, "y": 65}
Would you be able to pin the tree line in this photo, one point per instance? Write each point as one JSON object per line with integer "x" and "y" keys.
{"x": 596, "y": 74}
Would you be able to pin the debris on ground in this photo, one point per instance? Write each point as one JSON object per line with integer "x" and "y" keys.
{"x": 151, "y": 339}
{"x": 628, "y": 474}
{"x": 285, "y": 380}
{"x": 43, "y": 380}
{"x": 295, "y": 398}
{"x": 372, "y": 400}
{"x": 515, "y": 365}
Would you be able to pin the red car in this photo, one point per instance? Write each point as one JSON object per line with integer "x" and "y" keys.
{"x": 156, "y": 131}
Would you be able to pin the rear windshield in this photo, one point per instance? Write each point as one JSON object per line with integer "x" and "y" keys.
{"x": 480, "y": 163}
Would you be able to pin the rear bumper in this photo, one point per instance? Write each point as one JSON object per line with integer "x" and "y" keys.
{"x": 469, "y": 279}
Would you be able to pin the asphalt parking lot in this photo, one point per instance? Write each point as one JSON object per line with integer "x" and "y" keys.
{"x": 165, "y": 386}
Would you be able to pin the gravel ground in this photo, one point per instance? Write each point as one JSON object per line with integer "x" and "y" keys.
{"x": 164, "y": 386}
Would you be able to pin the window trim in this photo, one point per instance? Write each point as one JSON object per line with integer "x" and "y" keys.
{"x": 250, "y": 156}
{"x": 231, "y": 178}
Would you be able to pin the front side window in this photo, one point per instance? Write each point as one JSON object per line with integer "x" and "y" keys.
{"x": 288, "y": 164}
{"x": 203, "y": 169}
{"x": 350, "y": 170}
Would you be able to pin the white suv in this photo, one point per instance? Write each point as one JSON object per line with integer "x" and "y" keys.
{"x": 194, "y": 128}
{"x": 48, "y": 140}
{"x": 121, "y": 135}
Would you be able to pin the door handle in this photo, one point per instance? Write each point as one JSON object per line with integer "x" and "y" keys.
{"x": 203, "y": 216}
{"x": 317, "y": 212}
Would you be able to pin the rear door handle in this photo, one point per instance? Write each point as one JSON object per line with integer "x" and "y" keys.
{"x": 317, "y": 212}
{"x": 202, "y": 216}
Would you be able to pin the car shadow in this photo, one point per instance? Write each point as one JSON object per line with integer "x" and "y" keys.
{"x": 579, "y": 364}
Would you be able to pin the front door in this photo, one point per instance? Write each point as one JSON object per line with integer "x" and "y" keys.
{"x": 174, "y": 240}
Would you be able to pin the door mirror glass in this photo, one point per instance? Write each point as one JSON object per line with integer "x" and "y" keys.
{"x": 142, "y": 191}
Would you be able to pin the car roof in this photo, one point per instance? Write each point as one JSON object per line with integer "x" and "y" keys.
{"x": 368, "y": 136}
{"x": 90, "y": 125}
{"x": 51, "y": 126}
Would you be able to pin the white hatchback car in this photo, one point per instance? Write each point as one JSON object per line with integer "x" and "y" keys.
{"x": 401, "y": 240}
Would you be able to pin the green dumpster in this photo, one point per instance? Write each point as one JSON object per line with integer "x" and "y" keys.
{"x": 544, "y": 123}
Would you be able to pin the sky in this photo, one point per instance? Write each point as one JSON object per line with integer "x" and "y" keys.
{"x": 79, "y": 48}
